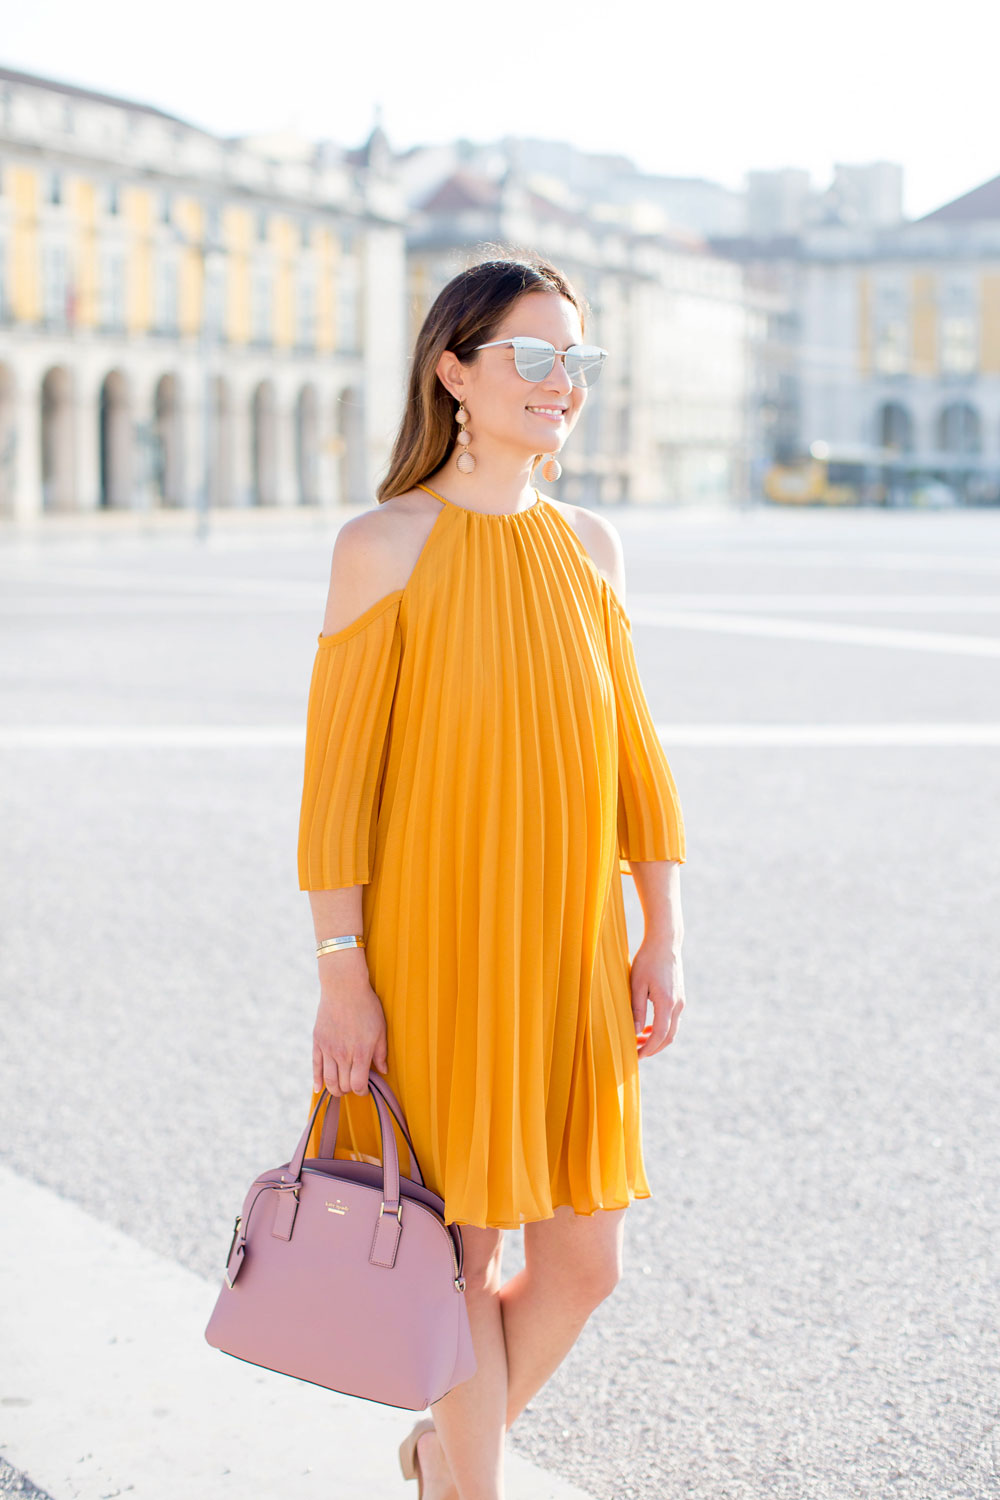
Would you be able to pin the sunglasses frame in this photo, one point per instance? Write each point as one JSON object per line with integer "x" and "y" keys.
{"x": 527, "y": 341}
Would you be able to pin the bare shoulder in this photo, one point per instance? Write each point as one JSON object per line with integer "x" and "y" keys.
{"x": 601, "y": 540}
{"x": 374, "y": 555}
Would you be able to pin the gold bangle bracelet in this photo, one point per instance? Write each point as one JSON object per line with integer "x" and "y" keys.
{"x": 331, "y": 945}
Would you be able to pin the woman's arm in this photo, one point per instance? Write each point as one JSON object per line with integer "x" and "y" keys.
{"x": 657, "y": 971}
{"x": 350, "y": 1033}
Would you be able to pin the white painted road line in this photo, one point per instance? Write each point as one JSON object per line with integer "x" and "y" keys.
{"x": 292, "y": 736}
{"x": 832, "y": 736}
{"x": 816, "y": 603}
{"x": 803, "y": 630}
{"x": 109, "y": 1387}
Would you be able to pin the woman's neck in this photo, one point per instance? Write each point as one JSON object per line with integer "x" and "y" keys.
{"x": 499, "y": 481}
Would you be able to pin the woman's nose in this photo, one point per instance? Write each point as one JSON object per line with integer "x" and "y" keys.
{"x": 557, "y": 379}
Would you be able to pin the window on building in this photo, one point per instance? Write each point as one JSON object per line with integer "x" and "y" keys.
{"x": 305, "y": 312}
{"x": 166, "y": 208}
{"x": 263, "y": 225}
{"x": 261, "y": 307}
{"x": 55, "y": 188}
{"x": 891, "y": 347}
{"x": 112, "y": 291}
{"x": 166, "y": 298}
{"x": 959, "y": 354}
{"x": 55, "y": 284}
{"x": 112, "y": 198}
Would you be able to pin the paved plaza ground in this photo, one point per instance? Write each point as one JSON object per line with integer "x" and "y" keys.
{"x": 809, "y": 1307}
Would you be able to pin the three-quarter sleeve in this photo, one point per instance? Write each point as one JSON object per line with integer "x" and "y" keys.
{"x": 650, "y": 822}
{"x": 347, "y": 739}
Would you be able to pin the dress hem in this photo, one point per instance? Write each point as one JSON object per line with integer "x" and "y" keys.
{"x": 587, "y": 1213}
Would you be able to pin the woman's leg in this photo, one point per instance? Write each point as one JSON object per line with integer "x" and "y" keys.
{"x": 572, "y": 1263}
{"x": 463, "y": 1458}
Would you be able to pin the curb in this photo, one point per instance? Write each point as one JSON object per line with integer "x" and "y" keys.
{"x": 112, "y": 1389}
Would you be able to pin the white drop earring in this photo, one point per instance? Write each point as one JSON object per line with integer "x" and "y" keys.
{"x": 465, "y": 461}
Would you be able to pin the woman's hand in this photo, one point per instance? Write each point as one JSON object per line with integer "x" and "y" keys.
{"x": 657, "y": 979}
{"x": 350, "y": 1033}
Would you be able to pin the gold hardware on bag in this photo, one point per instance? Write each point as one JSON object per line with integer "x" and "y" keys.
{"x": 399, "y": 1212}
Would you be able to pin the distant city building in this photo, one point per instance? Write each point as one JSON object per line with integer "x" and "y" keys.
{"x": 901, "y": 343}
{"x": 890, "y": 354}
{"x": 189, "y": 320}
{"x": 185, "y": 318}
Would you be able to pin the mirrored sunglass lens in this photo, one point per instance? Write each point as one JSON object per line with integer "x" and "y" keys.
{"x": 584, "y": 364}
{"x": 534, "y": 361}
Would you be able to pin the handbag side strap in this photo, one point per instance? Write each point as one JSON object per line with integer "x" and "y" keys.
{"x": 389, "y": 1224}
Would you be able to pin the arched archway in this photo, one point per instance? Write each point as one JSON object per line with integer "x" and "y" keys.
{"x": 117, "y": 443}
{"x": 959, "y": 429}
{"x": 8, "y": 441}
{"x": 894, "y": 429}
{"x": 169, "y": 431}
{"x": 58, "y": 447}
{"x": 265, "y": 445}
{"x": 307, "y": 445}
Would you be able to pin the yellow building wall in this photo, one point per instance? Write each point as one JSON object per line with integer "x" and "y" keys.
{"x": 137, "y": 211}
{"x": 285, "y": 242}
{"x": 989, "y": 323}
{"x": 328, "y": 247}
{"x": 237, "y": 230}
{"x": 924, "y": 331}
{"x": 864, "y": 299}
{"x": 81, "y": 198}
{"x": 189, "y": 216}
{"x": 25, "y": 271}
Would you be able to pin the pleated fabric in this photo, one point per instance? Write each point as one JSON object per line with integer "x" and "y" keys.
{"x": 482, "y": 759}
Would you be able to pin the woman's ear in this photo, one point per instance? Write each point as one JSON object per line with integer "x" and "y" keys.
{"x": 449, "y": 371}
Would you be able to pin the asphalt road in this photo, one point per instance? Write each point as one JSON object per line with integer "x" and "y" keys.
{"x": 809, "y": 1307}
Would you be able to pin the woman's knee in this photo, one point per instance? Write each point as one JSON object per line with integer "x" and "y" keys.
{"x": 580, "y": 1256}
{"x": 594, "y": 1278}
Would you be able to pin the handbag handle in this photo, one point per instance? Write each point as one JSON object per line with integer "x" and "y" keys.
{"x": 390, "y": 1156}
{"x": 331, "y": 1123}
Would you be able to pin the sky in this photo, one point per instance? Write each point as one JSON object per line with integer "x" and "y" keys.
{"x": 708, "y": 89}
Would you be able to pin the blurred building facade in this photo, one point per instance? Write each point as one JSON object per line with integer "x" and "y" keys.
{"x": 891, "y": 350}
{"x": 901, "y": 344}
{"x": 186, "y": 319}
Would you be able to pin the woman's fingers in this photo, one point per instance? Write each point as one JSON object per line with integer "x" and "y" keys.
{"x": 666, "y": 1015}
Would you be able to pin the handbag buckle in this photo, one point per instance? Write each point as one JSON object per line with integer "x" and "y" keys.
{"x": 399, "y": 1211}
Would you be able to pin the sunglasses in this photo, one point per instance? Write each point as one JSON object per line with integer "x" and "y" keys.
{"x": 534, "y": 358}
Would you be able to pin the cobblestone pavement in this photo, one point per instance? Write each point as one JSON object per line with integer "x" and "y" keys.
{"x": 809, "y": 1302}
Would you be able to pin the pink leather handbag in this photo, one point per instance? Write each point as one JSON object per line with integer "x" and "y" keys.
{"x": 344, "y": 1273}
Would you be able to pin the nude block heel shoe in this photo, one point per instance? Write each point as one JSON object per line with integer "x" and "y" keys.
{"x": 408, "y": 1460}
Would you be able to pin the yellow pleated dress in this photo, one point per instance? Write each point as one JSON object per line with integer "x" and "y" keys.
{"x": 481, "y": 757}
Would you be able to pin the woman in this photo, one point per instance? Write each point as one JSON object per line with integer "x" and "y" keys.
{"x": 481, "y": 766}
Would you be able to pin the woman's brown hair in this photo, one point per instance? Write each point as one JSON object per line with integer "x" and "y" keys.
{"x": 465, "y": 313}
